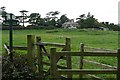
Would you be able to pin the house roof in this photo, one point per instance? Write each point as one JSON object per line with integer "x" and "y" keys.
{"x": 73, "y": 23}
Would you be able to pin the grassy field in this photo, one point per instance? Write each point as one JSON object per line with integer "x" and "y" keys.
{"x": 92, "y": 38}
{"x": 101, "y": 39}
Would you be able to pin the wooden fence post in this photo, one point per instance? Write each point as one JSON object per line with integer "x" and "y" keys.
{"x": 39, "y": 56}
{"x": 69, "y": 64}
{"x": 118, "y": 65}
{"x": 81, "y": 58}
{"x": 31, "y": 50}
{"x": 53, "y": 64}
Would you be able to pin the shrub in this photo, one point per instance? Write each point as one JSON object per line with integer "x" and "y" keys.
{"x": 18, "y": 69}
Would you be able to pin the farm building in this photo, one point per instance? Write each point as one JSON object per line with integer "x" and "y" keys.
{"x": 71, "y": 25}
{"x": 99, "y": 28}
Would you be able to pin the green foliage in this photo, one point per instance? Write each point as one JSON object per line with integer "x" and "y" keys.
{"x": 18, "y": 69}
{"x": 51, "y": 22}
{"x": 34, "y": 19}
{"x": 62, "y": 20}
{"x": 14, "y": 23}
{"x": 87, "y": 21}
{"x": 90, "y": 22}
{"x": 3, "y": 12}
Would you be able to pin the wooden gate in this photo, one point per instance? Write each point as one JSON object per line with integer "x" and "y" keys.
{"x": 41, "y": 50}
{"x": 55, "y": 72}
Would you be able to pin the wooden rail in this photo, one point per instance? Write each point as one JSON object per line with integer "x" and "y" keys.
{"x": 86, "y": 48}
{"x": 19, "y": 48}
{"x": 98, "y": 49}
{"x": 67, "y": 53}
{"x": 56, "y": 72}
{"x": 99, "y": 64}
{"x": 53, "y": 44}
{"x": 87, "y": 71}
{"x": 61, "y": 67}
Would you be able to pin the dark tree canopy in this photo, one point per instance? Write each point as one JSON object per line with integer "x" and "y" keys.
{"x": 52, "y": 19}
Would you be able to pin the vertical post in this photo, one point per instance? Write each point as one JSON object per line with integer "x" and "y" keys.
{"x": 53, "y": 64}
{"x": 39, "y": 55}
{"x": 69, "y": 64}
{"x": 31, "y": 49}
{"x": 68, "y": 44}
{"x": 81, "y": 58}
{"x": 118, "y": 65}
{"x": 11, "y": 37}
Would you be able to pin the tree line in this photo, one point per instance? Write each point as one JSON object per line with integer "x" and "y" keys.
{"x": 51, "y": 19}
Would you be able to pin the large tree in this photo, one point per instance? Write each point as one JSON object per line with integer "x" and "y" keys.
{"x": 52, "y": 15}
{"x": 3, "y": 12}
{"x": 6, "y": 16}
{"x": 90, "y": 21}
{"x": 87, "y": 21}
{"x": 62, "y": 20}
{"x": 51, "y": 18}
{"x": 81, "y": 20}
{"x": 33, "y": 18}
{"x": 24, "y": 16}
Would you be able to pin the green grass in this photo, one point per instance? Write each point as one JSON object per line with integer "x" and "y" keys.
{"x": 101, "y": 39}
{"x": 92, "y": 38}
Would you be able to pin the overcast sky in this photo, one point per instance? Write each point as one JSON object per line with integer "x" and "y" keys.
{"x": 103, "y": 10}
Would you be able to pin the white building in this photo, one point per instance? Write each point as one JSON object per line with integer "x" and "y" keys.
{"x": 70, "y": 25}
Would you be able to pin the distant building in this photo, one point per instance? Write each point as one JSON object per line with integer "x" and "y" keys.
{"x": 103, "y": 28}
{"x": 70, "y": 25}
{"x": 99, "y": 28}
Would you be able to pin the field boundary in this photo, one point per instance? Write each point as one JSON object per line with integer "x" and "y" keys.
{"x": 65, "y": 54}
